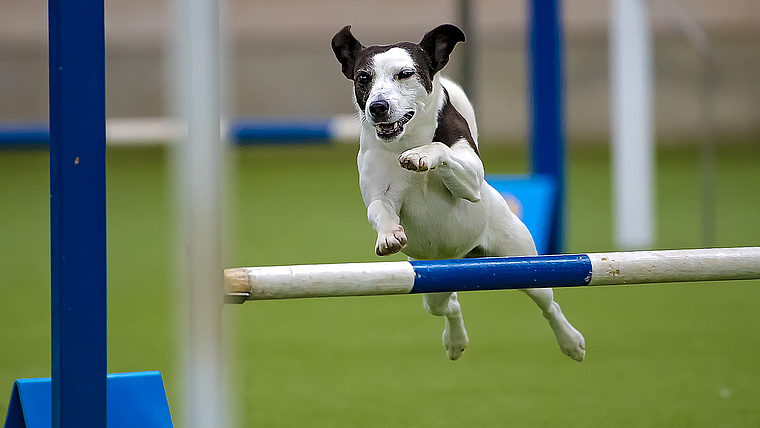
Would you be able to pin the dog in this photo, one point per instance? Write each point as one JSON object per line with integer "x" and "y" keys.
{"x": 421, "y": 176}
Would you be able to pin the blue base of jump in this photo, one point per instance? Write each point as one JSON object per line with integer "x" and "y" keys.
{"x": 533, "y": 199}
{"x": 133, "y": 400}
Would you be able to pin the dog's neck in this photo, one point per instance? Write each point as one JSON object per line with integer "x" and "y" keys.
{"x": 419, "y": 130}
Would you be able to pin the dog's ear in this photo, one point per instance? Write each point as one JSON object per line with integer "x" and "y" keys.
{"x": 346, "y": 49}
{"x": 439, "y": 43}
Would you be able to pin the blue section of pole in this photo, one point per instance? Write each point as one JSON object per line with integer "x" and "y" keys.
{"x": 501, "y": 273}
{"x": 547, "y": 105}
{"x": 77, "y": 213}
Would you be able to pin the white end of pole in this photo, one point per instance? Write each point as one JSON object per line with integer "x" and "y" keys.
{"x": 327, "y": 280}
{"x": 200, "y": 189}
{"x": 632, "y": 145}
{"x": 647, "y": 267}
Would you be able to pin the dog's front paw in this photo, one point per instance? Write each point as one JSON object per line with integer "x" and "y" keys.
{"x": 420, "y": 159}
{"x": 390, "y": 243}
{"x": 413, "y": 161}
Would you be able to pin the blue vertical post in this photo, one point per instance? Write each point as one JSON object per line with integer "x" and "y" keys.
{"x": 547, "y": 105}
{"x": 77, "y": 213}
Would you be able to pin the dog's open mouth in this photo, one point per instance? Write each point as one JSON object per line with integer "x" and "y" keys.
{"x": 389, "y": 131}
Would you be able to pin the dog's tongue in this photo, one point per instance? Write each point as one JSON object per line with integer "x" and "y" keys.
{"x": 387, "y": 127}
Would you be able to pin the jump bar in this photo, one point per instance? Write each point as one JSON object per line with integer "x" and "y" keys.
{"x": 490, "y": 273}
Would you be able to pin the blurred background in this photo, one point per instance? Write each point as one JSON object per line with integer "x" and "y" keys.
{"x": 280, "y": 62}
{"x": 673, "y": 355}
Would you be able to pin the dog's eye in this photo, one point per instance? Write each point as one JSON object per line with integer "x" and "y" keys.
{"x": 363, "y": 79}
{"x": 405, "y": 74}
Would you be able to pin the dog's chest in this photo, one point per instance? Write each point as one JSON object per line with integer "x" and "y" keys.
{"x": 437, "y": 224}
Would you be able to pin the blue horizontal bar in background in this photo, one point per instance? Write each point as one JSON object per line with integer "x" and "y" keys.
{"x": 498, "y": 273}
{"x": 24, "y": 134}
{"x": 241, "y": 132}
{"x": 280, "y": 131}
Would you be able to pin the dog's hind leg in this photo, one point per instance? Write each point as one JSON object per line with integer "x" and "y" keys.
{"x": 454, "y": 334}
{"x": 570, "y": 340}
{"x": 511, "y": 238}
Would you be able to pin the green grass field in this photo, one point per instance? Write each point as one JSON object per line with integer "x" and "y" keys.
{"x": 658, "y": 356}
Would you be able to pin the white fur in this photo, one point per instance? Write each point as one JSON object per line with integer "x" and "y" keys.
{"x": 430, "y": 201}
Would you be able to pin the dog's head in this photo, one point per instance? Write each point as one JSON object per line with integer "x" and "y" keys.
{"x": 393, "y": 83}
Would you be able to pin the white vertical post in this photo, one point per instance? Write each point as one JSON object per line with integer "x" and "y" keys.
{"x": 200, "y": 189}
{"x": 468, "y": 51}
{"x": 632, "y": 145}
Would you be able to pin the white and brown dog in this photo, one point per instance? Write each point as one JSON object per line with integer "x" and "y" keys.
{"x": 420, "y": 171}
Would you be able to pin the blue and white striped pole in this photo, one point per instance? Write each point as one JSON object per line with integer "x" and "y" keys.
{"x": 492, "y": 273}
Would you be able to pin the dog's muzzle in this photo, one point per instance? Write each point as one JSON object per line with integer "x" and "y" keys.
{"x": 391, "y": 130}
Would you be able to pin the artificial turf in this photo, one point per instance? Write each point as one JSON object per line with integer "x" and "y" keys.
{"x": 679, "y": 355}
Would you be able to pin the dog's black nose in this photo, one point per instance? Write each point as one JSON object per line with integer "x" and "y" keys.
{"x": 379, "y": 109}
